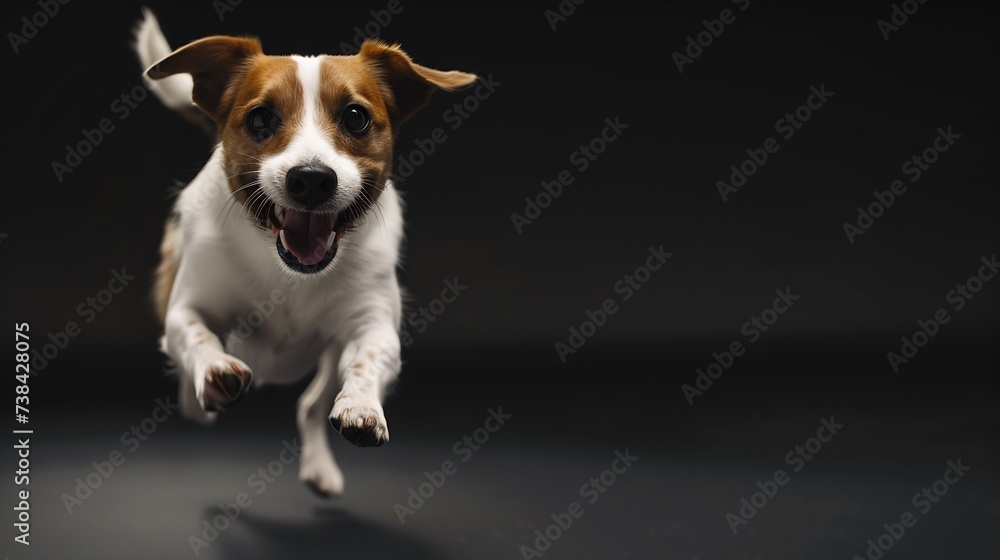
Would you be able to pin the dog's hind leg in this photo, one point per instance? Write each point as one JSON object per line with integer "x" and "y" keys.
{"x": 317, "y": 467}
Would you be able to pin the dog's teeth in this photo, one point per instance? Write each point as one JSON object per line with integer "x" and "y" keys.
{"x": 330, "y": 241}
{"x": 281, "y": 234}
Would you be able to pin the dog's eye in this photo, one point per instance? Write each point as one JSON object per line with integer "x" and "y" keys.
{"x": 356, "y": 119}
{"x": 262, "y": 123}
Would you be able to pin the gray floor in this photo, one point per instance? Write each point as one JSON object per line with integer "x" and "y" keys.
{"x": 694, "y": 465}
{"x": 666, "y": 506}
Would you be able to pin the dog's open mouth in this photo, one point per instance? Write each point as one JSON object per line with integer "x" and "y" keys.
{"x": 306, "y": 241}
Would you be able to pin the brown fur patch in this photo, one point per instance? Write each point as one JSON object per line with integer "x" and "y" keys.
{"x": 346, "y": 80}
{"x": 407, "y": 85}
{"x": 269, "y": 81}
{"x": 215, "y": 64}
{"x": 166, "y": 272}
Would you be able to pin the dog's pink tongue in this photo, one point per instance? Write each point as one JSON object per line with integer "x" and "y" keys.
{"x": 306, "y": 234}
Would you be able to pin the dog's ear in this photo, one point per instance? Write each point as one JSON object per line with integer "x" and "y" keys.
{"x": 408, "y": 84}
{"x": 216, "y": 64}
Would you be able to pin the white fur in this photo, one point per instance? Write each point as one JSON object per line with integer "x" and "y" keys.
{"x": 345, "y": 319}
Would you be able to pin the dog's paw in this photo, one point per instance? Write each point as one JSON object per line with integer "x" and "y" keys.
{"x": 361, "y": 424}
{"x": 321, "y": 474}
{"x": 226, "y": 380}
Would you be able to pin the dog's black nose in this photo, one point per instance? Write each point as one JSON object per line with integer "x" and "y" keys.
{"x": 310, "y": 185}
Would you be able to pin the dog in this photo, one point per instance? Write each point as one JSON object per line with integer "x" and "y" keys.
{"x": 302, "y": 276}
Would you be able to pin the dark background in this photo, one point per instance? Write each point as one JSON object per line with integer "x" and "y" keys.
{"x": 654, "y": 186}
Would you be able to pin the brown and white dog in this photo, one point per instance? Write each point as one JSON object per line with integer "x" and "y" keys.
{"x": 303, "y": 275}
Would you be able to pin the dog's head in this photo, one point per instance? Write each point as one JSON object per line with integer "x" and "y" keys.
{"x": 307, "y": 141}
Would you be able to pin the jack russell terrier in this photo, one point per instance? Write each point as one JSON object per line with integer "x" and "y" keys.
{"x": 303, "y": 162}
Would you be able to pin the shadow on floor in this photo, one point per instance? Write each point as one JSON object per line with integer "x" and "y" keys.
{"x": 332, "y": 534}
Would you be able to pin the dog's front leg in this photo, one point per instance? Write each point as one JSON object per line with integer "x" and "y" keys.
{"x": 217, "y": 379}
{"x": 369, "y": 363}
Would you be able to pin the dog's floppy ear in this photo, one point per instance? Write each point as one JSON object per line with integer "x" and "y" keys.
{"x": 409, "y": 84}
{"x": 215, "y": 64}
